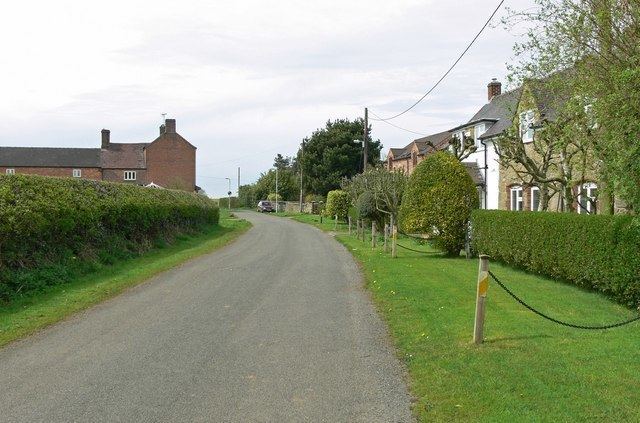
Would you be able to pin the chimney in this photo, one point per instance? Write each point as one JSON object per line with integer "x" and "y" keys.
{"x": 106, "y": 135}
{"x": 170, "y": 126}
{"x": 494, "y": 88}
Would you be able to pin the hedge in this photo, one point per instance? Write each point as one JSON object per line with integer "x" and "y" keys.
{"x": 338, "y": 203}
{"x": 600, "y": 252}
{"x": 50, "y": 223}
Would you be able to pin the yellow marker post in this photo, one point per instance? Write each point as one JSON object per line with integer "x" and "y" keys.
{"x": 481, "y": 295}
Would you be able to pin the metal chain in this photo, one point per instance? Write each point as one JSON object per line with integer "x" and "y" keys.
{"x": 412, "y": 236}
{"x": 417, "y": 251}
{"x": 571, "y": 325}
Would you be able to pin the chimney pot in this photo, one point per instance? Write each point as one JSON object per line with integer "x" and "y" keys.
{"x": 170, "y": 126}
{"x": 106, "y": 135}
{"x": 494, "y": 88}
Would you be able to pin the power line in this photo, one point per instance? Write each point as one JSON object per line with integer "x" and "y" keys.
{"x": 450, "y": 69}
{"x": 396, "y": 126}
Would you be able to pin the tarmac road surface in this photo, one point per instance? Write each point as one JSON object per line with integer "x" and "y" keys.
{"x": 275, "y": 327}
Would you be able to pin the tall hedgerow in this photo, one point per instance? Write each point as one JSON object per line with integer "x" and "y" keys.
{"x": 54, "y": 222}
{"x": 438, "y": 201}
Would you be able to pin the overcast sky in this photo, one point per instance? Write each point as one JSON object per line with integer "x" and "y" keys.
{"x": 245, "y": 79}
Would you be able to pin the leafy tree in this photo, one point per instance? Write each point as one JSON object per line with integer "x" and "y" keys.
{"x": 280, "y": 162}
{"x": 287, "y": 184}
{"x": 438, "y": 200}
{"x": 247, "y": 196}
{"x": 386, "y": 189}
{"x": 599, "y": 40}
{"x": 331, "y": 154}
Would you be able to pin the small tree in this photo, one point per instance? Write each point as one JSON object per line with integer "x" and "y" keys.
{"x": 438, "y": 200}
{"x": 338, "y": 203}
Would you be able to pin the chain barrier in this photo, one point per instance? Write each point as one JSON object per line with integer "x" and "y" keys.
{"x": 571, "y": 325}
{"x": 417, "y": 251}
{"x": 413, "y": 236}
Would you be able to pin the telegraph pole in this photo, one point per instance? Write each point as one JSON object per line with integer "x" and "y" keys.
{"x": 277, "y": 197}
{"x": 238, "y": 181}
{"x": 229, "y": 192}
{"x": 300, "y": 167}
{"x": 365, "y": 138}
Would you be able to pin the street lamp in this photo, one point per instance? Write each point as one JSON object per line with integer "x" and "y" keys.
{"x": 229, "y": 191}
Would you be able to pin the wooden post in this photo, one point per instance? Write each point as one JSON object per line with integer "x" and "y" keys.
{"x": 467, "y": 241}
{"x": 363, "y": 231}
{"x": 386, "y": 236}
{"x": 349, "y": 225}
{"x": 481, "y": 296}
{"x": 373, "y": 234}
{"x": 335, "y": 225}
{"x": 394, "y": 236}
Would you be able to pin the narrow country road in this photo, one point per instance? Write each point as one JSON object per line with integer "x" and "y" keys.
{"x": 273, "y": 328}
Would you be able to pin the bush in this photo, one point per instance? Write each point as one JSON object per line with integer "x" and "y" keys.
{"x": 595, "y": 252}
{"x": 366, "y": 209}
{"x": 438, "y": 201}
{"x": 338, "y": 203}
{"x": 51, "y": 223}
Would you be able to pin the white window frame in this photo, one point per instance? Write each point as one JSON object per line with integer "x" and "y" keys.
{"x": 526, "y": 123}
{"x": 77, "y": 173}
{"x": 479, "y": 130}
{"x": 535, "y": 190}
{"x": 589, "y": 187}
{"x": 130, "y": 175}
{"x": 10, "y": 171}
{"x": 516, "y": 198}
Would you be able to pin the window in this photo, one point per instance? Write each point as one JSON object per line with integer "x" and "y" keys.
{"x": 587, "y": 198}
{"x": 526, "y": 126}
{"x": 77, "y": 173}
{"x": 129, "y": 175}
{"x": 10, "y": 171}
{"x": 478, "y": 131}
{"x": 516, "y": 198}
{"x": 535, "y": 198}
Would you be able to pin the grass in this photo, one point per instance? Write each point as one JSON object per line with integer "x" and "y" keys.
{"x": 528, "y": 369}
{"x": 27, "y": 315}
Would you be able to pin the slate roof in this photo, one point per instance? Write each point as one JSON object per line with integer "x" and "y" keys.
{"x": 501, "y": 109}
{"x": 440, "y": 141}
{"x": 49, "y": 157}
{"x": 474, "y": 172}
{"x": 124, "y": 156}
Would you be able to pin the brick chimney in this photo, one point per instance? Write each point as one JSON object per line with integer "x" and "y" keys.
{"x": 170, "y": 126}
{"x": 106, "y": 135}
{"x": 493, "y": 89}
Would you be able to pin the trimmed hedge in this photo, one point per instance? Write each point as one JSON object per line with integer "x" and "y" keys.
{"x": 595, "y": 252}
{"x": 438, "y": 200}
{"x": 338, "y": 203}
{"x": 53, "y": 222}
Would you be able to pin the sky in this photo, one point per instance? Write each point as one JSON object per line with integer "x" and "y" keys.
{"x": 244, "y": 80}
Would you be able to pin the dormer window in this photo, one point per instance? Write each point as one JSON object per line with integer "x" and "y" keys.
{"x": 526, "y": 126}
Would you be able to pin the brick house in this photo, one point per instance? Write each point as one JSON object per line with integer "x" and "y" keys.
{"x": 168, "y": 161}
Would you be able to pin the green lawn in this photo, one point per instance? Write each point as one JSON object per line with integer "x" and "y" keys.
{"x": 528, "y": 369}
{"x": 27, "y": 315}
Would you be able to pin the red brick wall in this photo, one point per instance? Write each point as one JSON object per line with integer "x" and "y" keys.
{"x": 87, "y": 173}
{"x": 117, "y": 175}
{"x": 171, "y": 162}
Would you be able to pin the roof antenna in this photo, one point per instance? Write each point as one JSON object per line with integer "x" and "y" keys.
{"x": 164, "y": 117}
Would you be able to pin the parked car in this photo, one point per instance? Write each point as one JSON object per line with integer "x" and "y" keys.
{"x": 265, "y": 207}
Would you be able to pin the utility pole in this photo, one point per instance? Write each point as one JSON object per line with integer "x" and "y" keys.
{"x": 277, "y": 197}
{"x": 300, "y": 167}
{"x": 238, "y": 181}
{"x": 229, "y": 192}
{"x": 366, "y": 138}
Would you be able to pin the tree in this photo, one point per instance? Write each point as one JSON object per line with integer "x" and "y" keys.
{"x": 280, "y": 162}
{"x": 438, "y": 201}
{"x": 247, "y": 196}
{"x": 287, "y": 184}
{"x": 599, "y": 40}
{"x": 330, "y": 154}
{"x": 386, "y": 188}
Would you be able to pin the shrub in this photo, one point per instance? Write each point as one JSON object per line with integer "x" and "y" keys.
{"x": 366, "y": 209}
{"x": 438, "y": 200}
{"x": 55, "y": 221}
{"x": 338, "y": 203}
{"x": 595, "y": 252}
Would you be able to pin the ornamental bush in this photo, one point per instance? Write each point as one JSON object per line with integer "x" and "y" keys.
{"x": 600, "y": 252}
{"x": 52, "y": 223}
{"x": 338, "y": 203}
{"x": 438, "y": 201}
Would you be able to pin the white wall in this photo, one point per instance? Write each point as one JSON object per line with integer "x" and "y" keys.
{"x": 493, "y": 173}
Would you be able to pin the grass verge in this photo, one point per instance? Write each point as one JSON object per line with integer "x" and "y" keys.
{"x": 528, "y": 369}
{"x": 27, "y": 315}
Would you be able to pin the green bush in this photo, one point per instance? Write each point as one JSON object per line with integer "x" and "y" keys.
{"x": 595, "y": 252}
{"x": 438, "y": 201}
{"x": 47, "y": 225}
{"x": 338, "y": 203}
{"x": 366, "y": 209}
